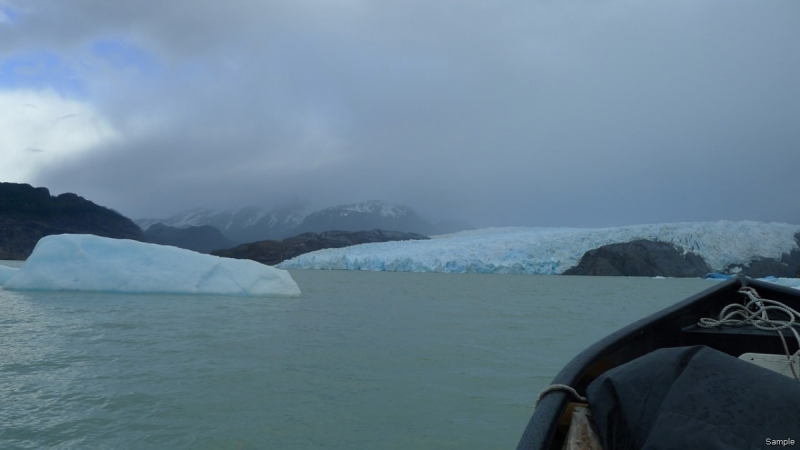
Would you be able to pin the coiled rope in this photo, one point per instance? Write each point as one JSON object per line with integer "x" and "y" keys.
{"x": 755, "y": 313}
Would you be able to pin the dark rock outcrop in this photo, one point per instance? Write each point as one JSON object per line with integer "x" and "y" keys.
{"x": 27, "y": 214}
{"x": 201, "y": 239}
{"x": 640, "y": 258}
{"x": 788, "y": 266}
{"x": 275, "y": 252}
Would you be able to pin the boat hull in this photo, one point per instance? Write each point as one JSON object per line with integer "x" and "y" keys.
{"x": 672, "y": 327}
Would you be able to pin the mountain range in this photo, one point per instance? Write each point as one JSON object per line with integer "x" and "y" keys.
{"x": 201, "y": 239}
{"x": 256, "y": 224}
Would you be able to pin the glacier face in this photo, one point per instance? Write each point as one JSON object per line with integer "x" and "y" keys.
{"x": 553, "y": 250}
{"x": 82, "y": 262}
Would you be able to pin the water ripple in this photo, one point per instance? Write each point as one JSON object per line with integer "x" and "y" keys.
{"x": 362, "y": 360}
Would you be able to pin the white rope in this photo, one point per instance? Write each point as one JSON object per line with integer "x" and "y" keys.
{"x": 559, "y": 387}
{"x": 755, "y": 313}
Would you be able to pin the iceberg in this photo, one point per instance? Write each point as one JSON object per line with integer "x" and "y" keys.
{"x": 6, "y": 273}
{"x": 718, "y": 276}
{"x": 553, "y": 250}
{"x": 787, "y": 282}
{"x": 83, "y": 262}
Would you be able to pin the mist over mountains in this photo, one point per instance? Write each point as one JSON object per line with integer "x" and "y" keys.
{"x": 255, "y": 224}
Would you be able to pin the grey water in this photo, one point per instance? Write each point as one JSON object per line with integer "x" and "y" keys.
{"x": 362, "y": 360}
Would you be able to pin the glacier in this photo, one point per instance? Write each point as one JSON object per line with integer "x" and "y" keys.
{"x": 553, "y": 250}
{"x": 83, "y": 262}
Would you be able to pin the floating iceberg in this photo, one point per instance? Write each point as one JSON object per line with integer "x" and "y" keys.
{"x": 718, "y": 276}
{"x": 83, "y": 262}
{"x": 553, "y": 250}
{"x": 788, "y": 282}
{"x": 6, "y": 273}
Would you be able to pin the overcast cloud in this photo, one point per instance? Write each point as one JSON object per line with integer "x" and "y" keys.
{"x": 527, "y": 112}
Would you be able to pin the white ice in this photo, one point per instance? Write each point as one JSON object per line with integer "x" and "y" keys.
{"x": 553, "y": 250}
{"x": 788, "y": 282}
{"x": 82, "y": 262}
{"x": 6, "y": 273}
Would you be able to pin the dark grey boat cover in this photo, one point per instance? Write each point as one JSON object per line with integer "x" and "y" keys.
{"x": 694, "y": 397}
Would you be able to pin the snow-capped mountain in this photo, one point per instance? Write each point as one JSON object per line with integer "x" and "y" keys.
{"x": 367, "y": 216}
{"x": 221, "y": 219}
{"x": 242, "y": 225}
{"x": 256, "y": 224}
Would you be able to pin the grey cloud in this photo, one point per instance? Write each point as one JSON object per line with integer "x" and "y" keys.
{"x": 506, "y": 113}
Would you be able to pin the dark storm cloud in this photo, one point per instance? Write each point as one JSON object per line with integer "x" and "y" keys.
{"x": 503, "y": 113}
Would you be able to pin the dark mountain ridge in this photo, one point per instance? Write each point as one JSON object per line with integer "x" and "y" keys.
{"x": 27, "y": 214}
{"x": 201, "y": 239}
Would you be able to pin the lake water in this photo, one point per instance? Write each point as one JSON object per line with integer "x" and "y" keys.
{"x": 362, "y": 360}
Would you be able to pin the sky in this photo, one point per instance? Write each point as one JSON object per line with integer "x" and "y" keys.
{"x": 501, "y": 113}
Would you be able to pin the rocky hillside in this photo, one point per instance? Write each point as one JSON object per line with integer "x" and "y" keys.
{"x": 201, "y": 239}
{"x": 273, "y": 252}
{"x": 254, "y": 224}
{"x": 27, "y": 214}
{"x": 640, "y": 258}
{"x": 646, "y": 258}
